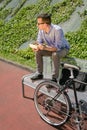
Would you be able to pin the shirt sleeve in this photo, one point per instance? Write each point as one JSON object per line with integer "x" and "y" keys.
{"x": 58, "y": 38}
{"x": 60, "y": 41}
{"x": 39, "y": 37}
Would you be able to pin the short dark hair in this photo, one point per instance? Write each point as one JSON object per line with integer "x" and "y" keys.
{"x": 45, "y": 17}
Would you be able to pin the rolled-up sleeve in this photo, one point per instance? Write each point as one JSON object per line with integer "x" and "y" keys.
{"x": 58, "y": 38}
{"x": 60, "y": 41}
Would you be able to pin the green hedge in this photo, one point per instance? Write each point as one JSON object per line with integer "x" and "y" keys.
{"x": 22, "y": 28}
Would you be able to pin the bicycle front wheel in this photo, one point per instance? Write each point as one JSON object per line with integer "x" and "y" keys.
{"x": 52, "y": 106}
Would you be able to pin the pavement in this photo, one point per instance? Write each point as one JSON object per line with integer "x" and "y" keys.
{"x": 16, "y": 112}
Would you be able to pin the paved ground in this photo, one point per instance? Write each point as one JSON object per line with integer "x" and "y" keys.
{"x": 16, "y": 112}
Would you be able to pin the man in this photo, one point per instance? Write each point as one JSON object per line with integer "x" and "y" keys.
{"x": 51, "y": 42}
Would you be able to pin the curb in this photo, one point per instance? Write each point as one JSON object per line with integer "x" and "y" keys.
{"x": 17, "y": 65}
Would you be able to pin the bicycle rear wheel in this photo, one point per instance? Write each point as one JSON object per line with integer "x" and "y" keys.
{"x": 52, "y": 106}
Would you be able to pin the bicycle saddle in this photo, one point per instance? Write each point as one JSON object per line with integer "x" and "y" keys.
{"x": 66, "y": 65}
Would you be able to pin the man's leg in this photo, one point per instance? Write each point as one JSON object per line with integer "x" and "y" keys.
{"x": 39, "y": 61}
{"x": 56, "y": 56}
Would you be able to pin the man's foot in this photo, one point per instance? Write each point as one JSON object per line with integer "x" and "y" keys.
{"x": 54, "y": 80}
{"x": 37, "y": 76}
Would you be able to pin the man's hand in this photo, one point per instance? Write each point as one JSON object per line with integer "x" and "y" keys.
{"x": 47, "y": 48}
{"x": 35, "y": 49}
{"x": 41, "y": 47}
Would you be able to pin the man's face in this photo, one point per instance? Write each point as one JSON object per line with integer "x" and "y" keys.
{"x": 40, "y": 24}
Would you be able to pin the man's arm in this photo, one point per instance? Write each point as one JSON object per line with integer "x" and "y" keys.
{"x": 47, "y": 48}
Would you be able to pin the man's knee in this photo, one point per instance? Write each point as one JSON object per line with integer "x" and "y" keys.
{"x": 38, "y": 52}
{"x": 54, "y": 53}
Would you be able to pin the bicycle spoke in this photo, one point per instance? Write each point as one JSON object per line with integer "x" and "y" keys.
{"x": 52, "y": 108}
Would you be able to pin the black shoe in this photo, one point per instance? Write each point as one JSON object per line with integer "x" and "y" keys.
{"x": 50, "y": 86}
{"x": 54, "y": 80}
{"x": 37, "y": 76}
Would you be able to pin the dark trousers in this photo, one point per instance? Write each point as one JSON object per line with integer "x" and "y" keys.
{"x": 56, "y": 56}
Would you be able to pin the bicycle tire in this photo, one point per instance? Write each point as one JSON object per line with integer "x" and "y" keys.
{"x": 53, "y": 109}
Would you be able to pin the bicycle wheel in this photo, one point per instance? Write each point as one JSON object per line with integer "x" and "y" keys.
{"x": 52, "y": 106}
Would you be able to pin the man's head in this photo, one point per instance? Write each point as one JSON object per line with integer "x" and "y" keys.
{"x": 46, "y": 18}
{"x": 43, "y": 21}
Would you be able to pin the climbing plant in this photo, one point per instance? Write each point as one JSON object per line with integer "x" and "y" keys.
{"x": 22, "y": 28}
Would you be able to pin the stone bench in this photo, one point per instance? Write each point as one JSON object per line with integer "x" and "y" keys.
{"x": 26, "y": 79}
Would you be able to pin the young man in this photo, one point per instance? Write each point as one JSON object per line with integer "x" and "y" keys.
{"x": 51, "y": 42}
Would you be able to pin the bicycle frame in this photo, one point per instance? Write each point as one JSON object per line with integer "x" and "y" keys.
{"x": 49, "y": 103}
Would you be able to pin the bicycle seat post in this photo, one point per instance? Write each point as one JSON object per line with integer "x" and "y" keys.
{"x": 74, "y": 89}
{"x": 71, "y": 73}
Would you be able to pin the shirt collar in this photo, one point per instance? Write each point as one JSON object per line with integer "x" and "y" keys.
{"x": 49, "y": 30}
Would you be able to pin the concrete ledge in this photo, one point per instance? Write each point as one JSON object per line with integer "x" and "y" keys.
{"x": 18, "y": 65}
{"x": 26, "y": 81}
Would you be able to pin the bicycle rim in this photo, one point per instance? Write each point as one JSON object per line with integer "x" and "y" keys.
{"x": 52, "y": 108}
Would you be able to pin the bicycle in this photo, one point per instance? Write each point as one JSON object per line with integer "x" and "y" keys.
{"x": 53, "y": 104}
